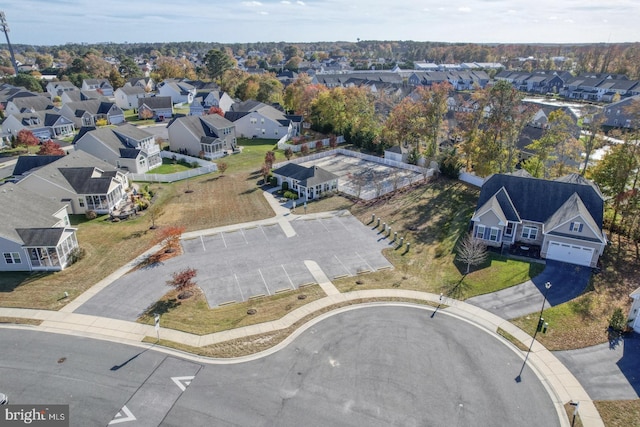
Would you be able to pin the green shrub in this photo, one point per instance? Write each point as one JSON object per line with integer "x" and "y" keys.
{"x": 291, "y": 195}
{"x": 273, "y": 181}
{"x": 91, "y": 214}
{"x": 617, "y": 322}
{"x": 195, "y": 164}
{"x": 77, "y": 254}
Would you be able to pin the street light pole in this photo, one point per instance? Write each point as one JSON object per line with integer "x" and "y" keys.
{"x": 538, "y": 328}
{"x": 4, "y": 27}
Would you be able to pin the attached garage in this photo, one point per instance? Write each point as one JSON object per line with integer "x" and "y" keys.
{"x": 570, "y": 253}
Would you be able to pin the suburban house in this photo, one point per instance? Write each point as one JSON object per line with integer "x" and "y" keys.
{"x": 80, "y": 95}
{"x": 211, "y": 135}
{"x": 634, "y": 313}
{"x": 100, "y": 85}
{"x": 559, "y": 220}
{"x": 124, "y": 146}
{"x": 35, "y": 232}
{"x": 157, "y": 107}
{"x": 58, "y": 88}
{"x": 308, "y": 182}
{"x": 207, "y": 99}
{"x": 29, "y": 163}
{"x": 254, "y": 119}
{"x": 27, "y": 104}
{"x": 617, "y": 114}
{"x": 43, "y": 124}
{"x": 145, "y": 83}
{"x": 179, "y": 92}
{"x": 127, "y": 96}
{"x": 80, "y": 181}
{"x": 87, "y": 113}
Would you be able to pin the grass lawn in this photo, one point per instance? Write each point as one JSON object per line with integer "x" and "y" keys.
{"x": 619, "y": 413}
{"x": 168, "y": 166}
{"x": 252, "y": 156}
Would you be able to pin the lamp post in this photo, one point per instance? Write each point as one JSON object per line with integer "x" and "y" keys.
{"x": 538, "y": 328}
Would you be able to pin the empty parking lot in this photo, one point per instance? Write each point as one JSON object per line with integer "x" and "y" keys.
{"x": 233, "y": 266}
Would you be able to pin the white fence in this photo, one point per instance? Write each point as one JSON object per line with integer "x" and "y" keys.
{"x": 204, "y": 168}
{"x": 471, "y": 179}
{"x": 375, "y": 188}
{"x": 283, "y": 144}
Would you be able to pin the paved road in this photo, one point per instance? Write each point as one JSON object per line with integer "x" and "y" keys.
{"x": 567, "y": 280}
{"x": 234, "y": 266}
{"x": 607, "y": 371}
{"x": 376, "y": 366}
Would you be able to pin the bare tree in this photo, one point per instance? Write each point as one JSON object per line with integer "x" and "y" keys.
{"x": 472, "y": 251}
{"x": 222, "y": 167}
{"x": 182, "y": 281}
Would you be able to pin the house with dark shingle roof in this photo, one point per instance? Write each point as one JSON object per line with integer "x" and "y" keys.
{"x": 211, "y": 135}
{"x": 124, "y": 146}
{"x": 35, "y": 232}
{"x": 617, "y": 114}
{"x": 100, "y": 85}
{"x": 28, "y": 104}
{"x": 159, "y": 107}
{"x": 79, "y": 180}
{"x": 43, "y": 124}
{"x": 309, "y": 182}
{"x": 254, "y": 119}
{"x": 559, "y": 220}
{"x": 88, "y": 113}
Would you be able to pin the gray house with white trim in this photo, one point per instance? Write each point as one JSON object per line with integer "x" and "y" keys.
{"x": 559, "y": 220}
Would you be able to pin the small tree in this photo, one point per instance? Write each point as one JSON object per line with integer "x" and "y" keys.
{"x": 304, "y": 149}
{"x": 183, "y": 280}
{"x": 145, "y": 114}
{"x": 50, "y": 148}
{"x": 222, "y": 167}
{"x": 288, "y": 153}
{"x": 333, "y": 141}
{"x": 265, "y": 171}
{"x": 155, "y": 211}
{"x": 269, "y": 158}
{"x": 170, "y": 237}
{"x": 319, "y": 145}
{"x": 27, "y": 138}
{"x": 472, "y": 251}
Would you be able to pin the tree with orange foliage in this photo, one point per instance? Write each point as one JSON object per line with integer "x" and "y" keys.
{"x": 50, "y": 148}
{"x": 216, "y": 110}
{"x": 170, "y": 237}
{"x": 183, "y": 280}
{"x": 27, "y": 138}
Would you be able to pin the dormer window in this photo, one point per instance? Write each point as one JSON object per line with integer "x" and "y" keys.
{"x": 576, "y": 227}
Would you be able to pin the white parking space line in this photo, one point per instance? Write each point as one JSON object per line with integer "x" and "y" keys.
{"x": 264, "y": 281}
{"x": 265, "y": 234}
{"x": 223, "y": 241}
{"x": 343, "y": 266}
{"x": 203, "y": 246}
{"x": 239, "y": 287}
{"x": 290, "y": 281}
{"x": 325, "y": 227}
{"x": 365, "y": 261}
{"x": 243, "y": 236}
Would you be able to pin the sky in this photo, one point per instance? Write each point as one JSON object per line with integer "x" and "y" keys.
{"x": 55, "y": 22}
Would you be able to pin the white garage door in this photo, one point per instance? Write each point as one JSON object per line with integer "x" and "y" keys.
{"x": 573, "y": 254}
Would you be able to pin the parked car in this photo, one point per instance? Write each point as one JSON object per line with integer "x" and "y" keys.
{"x": 4, "y": 400}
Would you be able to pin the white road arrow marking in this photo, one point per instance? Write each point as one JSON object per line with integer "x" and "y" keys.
{"x": 182, "y": 382}
{"x": 123, "y": 416}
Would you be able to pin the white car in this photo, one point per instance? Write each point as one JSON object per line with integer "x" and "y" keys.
{"x": 4, "y": 400}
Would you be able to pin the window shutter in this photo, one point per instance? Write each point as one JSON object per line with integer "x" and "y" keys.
{"x": 487, "y": 231}
{"x": 580, "y": 228}
{"x": 571, "y": 226}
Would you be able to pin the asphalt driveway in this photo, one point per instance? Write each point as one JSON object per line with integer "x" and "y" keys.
{"x": 608, "y": 371}
{"x": 233, "y": 266}
{"x": 567, "y": 282}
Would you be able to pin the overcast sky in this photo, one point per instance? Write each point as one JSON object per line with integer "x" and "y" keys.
{"x": 53, "y": 22}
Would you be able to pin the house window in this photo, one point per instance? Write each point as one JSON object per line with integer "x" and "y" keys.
{"x": 264, "y": 131}
{"x": 509, "y": 229}
{"x": 494, "y": 235}
{"x": 81, "y": 202}
{"x": 261, "y": 120}
{"x": 576, "y": 227}
{"x": 529, "y": 232}
{"x": 12, "y": 258}
{"x": 253, "y": 120}
{"x": 480, "y": 232}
